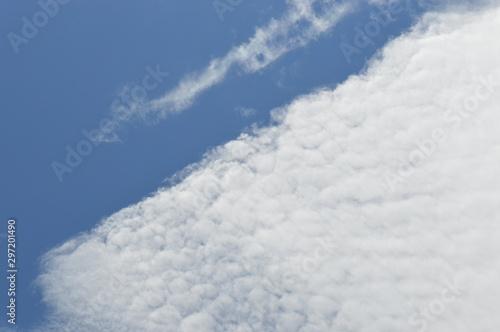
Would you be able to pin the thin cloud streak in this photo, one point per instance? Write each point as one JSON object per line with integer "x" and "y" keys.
{"x": 297, "y": 28}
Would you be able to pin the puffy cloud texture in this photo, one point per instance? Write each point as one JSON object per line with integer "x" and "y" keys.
{"x": 373, "y": 207}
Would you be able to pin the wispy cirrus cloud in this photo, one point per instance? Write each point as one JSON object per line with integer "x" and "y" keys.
{"x": 303, "y": 22}
{"x": 293, "y": 227}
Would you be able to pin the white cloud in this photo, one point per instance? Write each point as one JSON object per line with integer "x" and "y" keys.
{"x": 294, "y": 228}
{"x": 298, "y": 26}
{"x": 246, "y": 112}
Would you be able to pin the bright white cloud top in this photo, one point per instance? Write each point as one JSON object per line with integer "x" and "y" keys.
{"x": 373, "y": 207}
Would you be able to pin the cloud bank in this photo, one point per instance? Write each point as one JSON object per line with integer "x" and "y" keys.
{"x": 372, "y": 207}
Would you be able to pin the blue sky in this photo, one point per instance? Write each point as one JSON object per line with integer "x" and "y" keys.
{"x": 65, "y": 78}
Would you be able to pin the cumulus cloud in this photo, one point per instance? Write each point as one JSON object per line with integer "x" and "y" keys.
{"x": 371, "y": 207}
